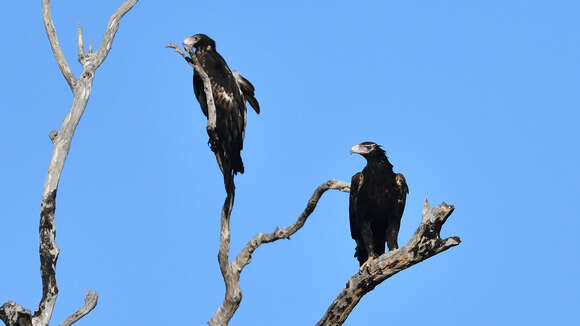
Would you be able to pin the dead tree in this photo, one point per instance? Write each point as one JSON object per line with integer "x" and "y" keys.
{"x": 425, "y": 243}
{"x": 12, "y": 313}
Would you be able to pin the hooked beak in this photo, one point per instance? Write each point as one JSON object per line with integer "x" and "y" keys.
{"x": 189, "y": 42}
{"x": 358, "y": 149}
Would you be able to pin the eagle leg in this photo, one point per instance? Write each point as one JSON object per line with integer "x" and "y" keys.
{"x": 391, "y": 237}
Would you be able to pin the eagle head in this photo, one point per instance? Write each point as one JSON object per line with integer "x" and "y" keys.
{"x": 199, "y": 41}
{"x": 368, "y": 150}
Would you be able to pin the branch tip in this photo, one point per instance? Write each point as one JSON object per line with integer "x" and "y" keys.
{"x": 91, "y": 299}
{"x": 452, "y": 241}
{"x": 55, "y": 45}
{"x": 81, "y": 44}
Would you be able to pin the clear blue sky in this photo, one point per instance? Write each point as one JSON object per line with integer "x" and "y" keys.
{"x": 476, "y": 104}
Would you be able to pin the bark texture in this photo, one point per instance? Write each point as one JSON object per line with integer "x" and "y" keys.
{"x": 12, "y": 313}
{"x": 425, "y": 242}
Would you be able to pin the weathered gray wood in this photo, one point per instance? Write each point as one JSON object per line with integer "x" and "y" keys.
{"x": 56, "y": 49}
{"x": 425, "y": 243}
{"x": 232, "y": 272}
{"x": 91, "y": 299}
{"x": 245, "y": 255}
{"x": 13, "y": 314}
{"x": 81, "y": 44}
{"x": 61, "y": 139}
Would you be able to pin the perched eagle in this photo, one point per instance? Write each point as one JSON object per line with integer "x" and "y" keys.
{"x": 377, "y": 201}
{"x": 230, "y": 91}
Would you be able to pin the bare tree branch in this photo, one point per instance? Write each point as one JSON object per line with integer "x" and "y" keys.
{"x": 233, "y": 295}
{"x": 91, "y": 299}
{"x": 13, "y": 314}
{"x": 425, "y": 243}
{"x": 81, "y": 44}
{"x": 112, "y": 27}
{"x": 224, "y": 250}
{"x": 178, "y": 50}
{"x": 56, "y": 49}
{"x": 245, "y": 255}
{"x": 62, "y": 139}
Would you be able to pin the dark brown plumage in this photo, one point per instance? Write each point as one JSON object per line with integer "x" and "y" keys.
{"x": 230, "y": 90}
{"x": 377, "y": 202}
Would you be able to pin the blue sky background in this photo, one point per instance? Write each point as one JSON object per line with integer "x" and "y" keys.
{"x": 476, "y": 104}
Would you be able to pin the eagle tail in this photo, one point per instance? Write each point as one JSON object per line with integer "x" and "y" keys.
{"x": 227, "y": 170}
{"x": 231, "y": 160}
{"x": 236, "y": 161}
{"x": 234, "y": 144}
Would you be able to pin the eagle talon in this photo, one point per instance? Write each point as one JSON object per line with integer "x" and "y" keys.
{"x": 213, "y": 144}
{"x": 367, "y": 265}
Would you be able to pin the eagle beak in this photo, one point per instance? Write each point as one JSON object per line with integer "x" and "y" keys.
{"x": 188, "y": 42}
{"x": 358, "y": 149}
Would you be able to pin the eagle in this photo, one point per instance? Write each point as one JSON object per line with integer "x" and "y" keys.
{"x": 230, "y": 91}
{"x": 377, "y": 202}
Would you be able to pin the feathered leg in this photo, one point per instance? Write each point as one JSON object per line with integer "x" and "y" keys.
{"x": 391, "y": 235}
{"x": 367, "y": 239}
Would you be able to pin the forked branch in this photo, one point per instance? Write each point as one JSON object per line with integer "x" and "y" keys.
{"x": 245, "y": 255}
{"x": 91, "y": 299}
{"x": 56, "y": 49}
{"x": 233, "y": 295}
{"x": 11, "y": 313}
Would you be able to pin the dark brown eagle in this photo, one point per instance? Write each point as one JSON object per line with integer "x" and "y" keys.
{"x": 230, "y": 91}
{"x": 377, "y": 202}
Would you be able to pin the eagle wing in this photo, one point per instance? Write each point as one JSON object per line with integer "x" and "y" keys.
{"x": 355, "y": 208}
{"x": 247, "y": 90}
{"x": 230, "y": 106}
{"x": 226, "y": 92}
{"x": 402, "y": 191}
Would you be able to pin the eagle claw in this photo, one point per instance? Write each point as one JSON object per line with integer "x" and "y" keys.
{"x": 213, "y": 144}
{"x": 367, "y": 265}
